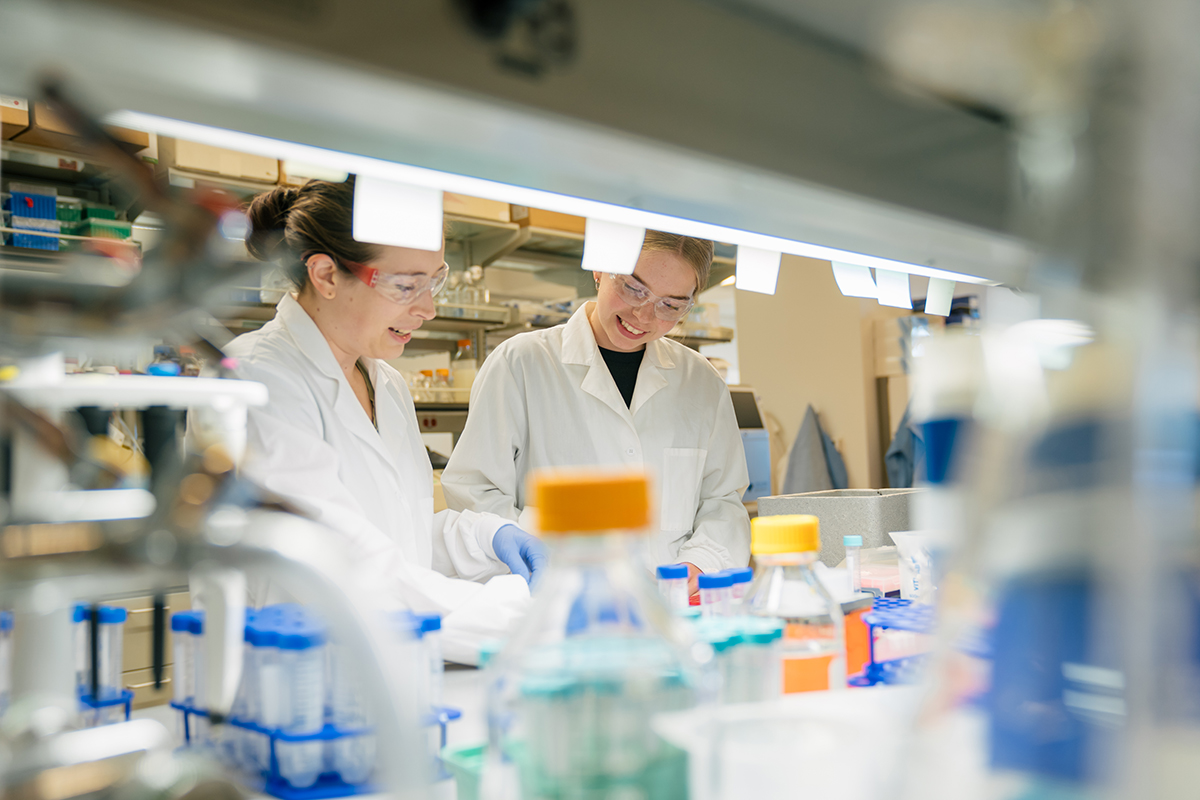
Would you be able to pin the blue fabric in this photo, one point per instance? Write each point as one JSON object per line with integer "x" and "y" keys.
{"x": 524, "y": 555}
{"x": 814, "y": 463}
{"x": 903, "y": 454}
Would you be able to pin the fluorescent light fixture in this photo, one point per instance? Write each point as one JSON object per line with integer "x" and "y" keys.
{"x": 611, "y": 246}
{"x": 757, "y": 270}
{"x": 893, "y": 288}
{"x": 729, "y": 281}
{"x": 855, "y": 281}
{"x": 518, "y": 195}
{"x": 397, "y": 214}
{"x": 938, "y": 297}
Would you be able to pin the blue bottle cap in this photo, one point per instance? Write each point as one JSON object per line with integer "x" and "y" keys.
{"x": 430, "y": 622}
{"x": 179, "y": 621}
{"x": 113, "y": 615}
{"x": 852, "y": 541}
{"x": 300, "y": 634}
{"x": 79, "y": 612}
{"x": 6, "y": 620}
{"x": 716, "y": 580}
{"x": 740, "y": 574}
{"x": 196, "y": 623}
{"x": 262, "y": 633}
{"x": 163, "y": 368}
{"x": 672, "y": 571}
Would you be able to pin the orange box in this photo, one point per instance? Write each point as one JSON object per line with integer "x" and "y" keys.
{"x": 812, "y": 674}
{"x": 46, "y": 129}
{"x": 539, "y": 218}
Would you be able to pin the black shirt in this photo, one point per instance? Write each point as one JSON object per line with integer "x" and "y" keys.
{"x": 624, "y": 369}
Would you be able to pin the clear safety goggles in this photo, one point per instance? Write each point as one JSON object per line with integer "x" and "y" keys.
{"x": 402, "y": 289}
{"x": 634, "y": 292}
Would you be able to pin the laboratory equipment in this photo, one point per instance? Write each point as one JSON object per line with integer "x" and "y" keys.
{"x": 673, "y": 585}
{"x": 441, "y": 386}
{"x": 463, "y": 366}
{"x": 572, "y": 692}
{"x": 785, "y": 549}
{"x": 714, "y": 594}
{"x": 195, "y": 622}
{"x": 869, "y": 513}
{"x": 431, "y": 654}
{"x": 747, "y": 654}
{"x": 6, "y": 624}
{"x": 740, "y": 578}
{"x": 756, "y": 442}
{"x": 853, "y": 546}
{"x": 302, "y": 697}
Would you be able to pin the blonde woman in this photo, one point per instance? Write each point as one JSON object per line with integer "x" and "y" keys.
{"x": 607, "y": 389}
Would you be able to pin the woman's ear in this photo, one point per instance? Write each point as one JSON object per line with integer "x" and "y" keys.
{"x": 322, "y": 274}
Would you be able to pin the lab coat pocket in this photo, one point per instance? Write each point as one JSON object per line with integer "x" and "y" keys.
{"x": 683, "y": 469}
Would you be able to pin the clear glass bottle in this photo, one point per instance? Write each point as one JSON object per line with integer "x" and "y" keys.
{"x": 480, "y": 296}
{"x": 785, "y": 549}
{"x": 424, "y": 393}
{"x": 463, "y": 367}
{"x": 441, "y": 386}
{"x": 572, "y": 693}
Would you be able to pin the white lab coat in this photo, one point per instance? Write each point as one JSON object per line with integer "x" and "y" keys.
{"x": 546, "y": 398}
{"x": 315, "y": 445}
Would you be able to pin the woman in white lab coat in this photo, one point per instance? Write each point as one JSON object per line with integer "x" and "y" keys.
{"x": 339, "y": 435}
{"x": 607, "y": 388}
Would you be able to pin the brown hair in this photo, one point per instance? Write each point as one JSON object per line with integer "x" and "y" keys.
{"x": 286, "y": 223}
{"x": 698, "y": 253}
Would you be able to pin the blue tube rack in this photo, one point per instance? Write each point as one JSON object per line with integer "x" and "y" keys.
{"x": 903, "y": 615}
{"x": 125, "y": 698}
{"x": 329, "y": 784}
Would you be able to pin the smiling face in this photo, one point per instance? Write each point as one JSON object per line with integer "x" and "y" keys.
{"x": 360, "y": 321}
{"x": 620, "y": 326}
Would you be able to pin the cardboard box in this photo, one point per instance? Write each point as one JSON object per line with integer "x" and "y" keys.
{"x": 14, "y": 116}
{"x": 196, "y": 157}
{"x": 476, "y": 207}
{"x": 141, "y": 681}
{"x": 46, "y": 129}
{"x": 139, "y": 630}
{"x": 538, "y": 218}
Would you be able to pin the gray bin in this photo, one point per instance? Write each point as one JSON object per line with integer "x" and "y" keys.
{"x": 870, "y": 513}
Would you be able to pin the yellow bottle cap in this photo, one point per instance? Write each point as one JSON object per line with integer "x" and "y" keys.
{"x": 589, "y": 501}
{"x": 786, "y": 533}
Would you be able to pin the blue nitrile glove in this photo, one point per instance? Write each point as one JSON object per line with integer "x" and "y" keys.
{"x": 525, "y": 555}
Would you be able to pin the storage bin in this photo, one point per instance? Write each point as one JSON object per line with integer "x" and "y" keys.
{"x": 870, "y": 513}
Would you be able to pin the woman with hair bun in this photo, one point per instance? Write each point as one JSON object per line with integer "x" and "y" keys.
{"x": 339, "y": 436}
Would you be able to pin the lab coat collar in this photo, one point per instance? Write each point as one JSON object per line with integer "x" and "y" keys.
{"x": 579, "y": 343}
{"x": 579, "y": 347}
{"x": 315, "y": 347}
{"x": 308, "y": 336}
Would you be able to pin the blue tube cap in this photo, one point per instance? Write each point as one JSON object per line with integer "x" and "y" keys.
{"x": 6, "y": 620}
{"x": 429, "y": 622}
{"x": 669, "y": 572}
{"x": 113, "y": 615}
{"x": 716, "y": 580}
{"x": 196, "y": 623}
{"x": 740, "y": 574}
{"x": 852, "y": 541}
{"x": 301, "y": 634}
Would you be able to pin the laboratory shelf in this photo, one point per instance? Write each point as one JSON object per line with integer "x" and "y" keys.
{"x": 136, "y": 391}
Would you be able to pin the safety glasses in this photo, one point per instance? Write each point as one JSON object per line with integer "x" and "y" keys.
{"x": 402, "y": 289}
{"x": 635, "y": 293}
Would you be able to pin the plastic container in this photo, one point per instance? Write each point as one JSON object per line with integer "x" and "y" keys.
{"x": 302, "y": 669}
{"x": 199, "y": 733}
{"x": 35, "y": 241}
{"x": 6, "y": 627}
{"x": 741, "y": 578}
{"x": 464, "y": 366}
{"x": 110, "y": 639}
{"x": 268, "y": 670}
{"x": 352, "y": 757}
{"x": 714, "y": 594}
{"x": 673, "y": 585}
{"x": 786, "y": 587}
{"x": 431, "y": 654}
{"x": 441, "y": 386}
{"x": 182, "y": 687}
{"x": 424, "y": 393}
{"x": 80, "y": 640}
{"x": 598, "y": 655}
{"x": 853, "y": 545}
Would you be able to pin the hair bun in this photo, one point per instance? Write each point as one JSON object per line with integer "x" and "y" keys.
{"x": 268, "y": 220}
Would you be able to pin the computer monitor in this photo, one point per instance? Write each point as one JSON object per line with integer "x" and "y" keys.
{"x": 755, "y": 442}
